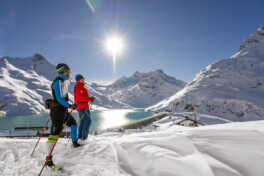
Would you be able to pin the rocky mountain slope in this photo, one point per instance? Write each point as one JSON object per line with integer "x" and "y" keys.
{"x": 25, "y": 85}
{"x": 231, "y": 88}
{"x": 142, "y": 89}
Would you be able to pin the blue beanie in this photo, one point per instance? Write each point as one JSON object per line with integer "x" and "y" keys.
{"x": 78, "y": 77}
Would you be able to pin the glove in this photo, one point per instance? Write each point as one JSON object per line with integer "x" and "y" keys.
{"x": 92, "y": 99}
{"x": 73, "y": 106}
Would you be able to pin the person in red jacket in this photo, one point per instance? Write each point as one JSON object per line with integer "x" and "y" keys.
{"x": 81, "y": 98}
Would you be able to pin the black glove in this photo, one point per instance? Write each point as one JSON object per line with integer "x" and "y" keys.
{"x": 92, "y": 99}
{"x": 73, "y": 106}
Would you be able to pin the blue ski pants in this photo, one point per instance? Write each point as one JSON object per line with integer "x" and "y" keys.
{"x": 85, "y": 123}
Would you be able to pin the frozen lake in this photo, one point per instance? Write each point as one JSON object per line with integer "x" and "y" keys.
{"x": 100, "y": 119}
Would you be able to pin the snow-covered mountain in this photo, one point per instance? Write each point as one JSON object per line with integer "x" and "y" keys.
{"x": 142, "y": 89}
{"x": 25, "y": 85}
{"x": 231, "y": 88}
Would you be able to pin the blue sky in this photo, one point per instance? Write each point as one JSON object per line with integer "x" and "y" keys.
{"x": 181, "y": 37}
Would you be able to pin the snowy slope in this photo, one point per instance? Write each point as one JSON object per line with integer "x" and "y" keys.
{"x": 142, "y": 89}
{"x": 25, "y": 85}
{"x": 231, "y": 88}
{"x": 234, "y": 149}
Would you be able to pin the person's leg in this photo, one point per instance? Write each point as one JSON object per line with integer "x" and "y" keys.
{"x": 87, "y": 123}
{"x": 70, "y": 122}
{"x": 57, "y": 118}
{"x": 80, "y": 130}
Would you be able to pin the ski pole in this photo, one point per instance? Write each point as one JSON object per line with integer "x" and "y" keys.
{"x": 40, "y": 137}
{"x": 91, "y": 106}
{"x": 55, "y": 143}
{"x": 80, "y": 120}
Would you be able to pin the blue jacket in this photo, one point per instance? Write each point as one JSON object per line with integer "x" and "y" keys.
{"x": 61, "y": 90}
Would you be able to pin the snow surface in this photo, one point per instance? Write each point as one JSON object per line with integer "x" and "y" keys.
{"x": 233, "y": 149}
{"x": 231, "y": 88}
{"x": 25, "y": 85}
{"x": 142, "y": 89}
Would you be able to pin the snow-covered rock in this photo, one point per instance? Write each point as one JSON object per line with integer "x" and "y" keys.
{"x": 142, "y": 89}
{"x": 25, "y": 85}
{"x": 231, "y": 88}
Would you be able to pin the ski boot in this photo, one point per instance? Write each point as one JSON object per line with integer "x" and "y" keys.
{"x": 51, "y": 165}
{"x": 75, "y": 144}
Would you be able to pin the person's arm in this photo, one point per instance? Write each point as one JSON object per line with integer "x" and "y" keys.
{"x": 57, "y": 88}
{"x": 89, "y": 98}
{"x": 82, "y": 94}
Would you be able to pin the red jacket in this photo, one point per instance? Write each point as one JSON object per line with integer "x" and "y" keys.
{"x": 81, "y": 96}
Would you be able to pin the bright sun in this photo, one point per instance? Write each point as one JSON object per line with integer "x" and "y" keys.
{"x": 114, "y": 45}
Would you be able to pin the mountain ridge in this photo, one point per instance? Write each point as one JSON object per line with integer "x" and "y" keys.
{"x": 142, "y": 89}
{"x": 230, "y": 88}
{"x": 25, "y": 85}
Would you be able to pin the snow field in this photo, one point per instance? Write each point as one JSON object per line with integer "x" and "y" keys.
{"x": 234, "y": 149}
{"x": 160, "y": 153}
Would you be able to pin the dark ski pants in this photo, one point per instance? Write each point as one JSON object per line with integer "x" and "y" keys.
{"x": 59, "y": 116}
{"x": 84, "y": 115}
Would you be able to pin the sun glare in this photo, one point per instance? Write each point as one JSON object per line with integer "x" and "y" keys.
{"x": 114, "y": 45}
{"x": 113, "y": 118}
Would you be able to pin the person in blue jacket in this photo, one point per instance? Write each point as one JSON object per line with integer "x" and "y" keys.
{"x": 59, "y": 110}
